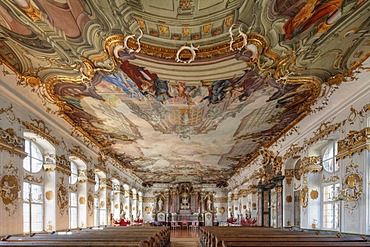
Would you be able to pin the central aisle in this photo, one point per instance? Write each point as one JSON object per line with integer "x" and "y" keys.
{"x": 184, "y": 238}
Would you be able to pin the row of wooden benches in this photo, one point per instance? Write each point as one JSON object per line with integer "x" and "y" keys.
{"x": 133, "y": 236}
{"x": 261, "y": 236}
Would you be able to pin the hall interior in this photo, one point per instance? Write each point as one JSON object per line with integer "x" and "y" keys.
{"x": 184, "y": 114}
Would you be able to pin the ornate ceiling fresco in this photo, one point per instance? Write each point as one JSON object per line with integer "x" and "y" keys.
{"x": 184, "y": 90}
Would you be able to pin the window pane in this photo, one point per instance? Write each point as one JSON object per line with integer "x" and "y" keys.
{"x": 26, "y": 217}
{"x": 26, "y": 191}
{"x": 331, "y": 206}
{"x": 36, "y": 191}
{"x": 27, "y": 146}
{"x": 97, "y": 182}
{"x": 73, "y": 200}
{"x": 329, "y": 158}
{"x": 74, "y": 174}
{"x": 35, "y": 152}
{"x": 73, "y": 217}
{"x": 36, "y": 165}
{"x": 103, "y": 216}
{"x": 37, "y": 218}
{"x": 27, "y": 164}
{"x": 328, "y": 216}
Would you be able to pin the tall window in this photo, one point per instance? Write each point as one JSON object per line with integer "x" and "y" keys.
{"x": 34, "y": 160}
{"x": 331, "y": 206}
{"x": 97, "y": 182}
{"x": 73, "y": 197}
{"x": 96, "y": 211}
{"x": 74, "y": 174}
{"x": 73, "y": 210}
{"x": 329, "y": 162}
{"x": 32, "y": 207}
{"x": 103, "y": 216}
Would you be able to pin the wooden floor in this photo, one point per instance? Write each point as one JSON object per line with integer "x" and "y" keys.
{"x": 184, "y": 238}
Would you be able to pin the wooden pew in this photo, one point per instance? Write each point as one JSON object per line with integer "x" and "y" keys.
{"x": 110, "y": 236}
{"x": 261, "y": 236}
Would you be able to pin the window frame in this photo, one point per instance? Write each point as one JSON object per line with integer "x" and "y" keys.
{"x": 331, "y": 157}
{"x": 70, "y": 210}
{"x": 335, "y": 206}
{"x": 30, "y": 156}
{"x": 73, "y": 175}
{"x": 27, "y": 203}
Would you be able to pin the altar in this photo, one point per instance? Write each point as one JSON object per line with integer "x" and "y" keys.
{"x": 183, "y": 202}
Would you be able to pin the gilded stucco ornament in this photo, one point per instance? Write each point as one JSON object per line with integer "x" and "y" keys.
{"x": 9, "y": 113}
{"x": 63, "y": 164}
{"x": 288, "y": 199}
{"x": 314, "y": 194}
{"x": 352, "y": 184}
{"x": 9, "y": 141}
{"x": 34, "y": 178}
{"x": 272, "y": 164}
{"x": 329, "y": 127}
{"x": 330, "y": 179}
{"x": 62, "y": 197}
{"x": 354, "y": 142}
{"x": 289, "y": 174}
{"x": 10, "y": 188}
{"x": 90, "y": 204}
{"x": 49, "y": 195}
{"x": 39, "y": 127}
{"x": 304, "y": 197}
{"x": 79, "y": 153}
{"x": 192, "y": 51}
{"x": 310, "y": 165}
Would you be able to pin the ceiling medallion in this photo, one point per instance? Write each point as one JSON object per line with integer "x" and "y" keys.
{"x": 190, "y": 48}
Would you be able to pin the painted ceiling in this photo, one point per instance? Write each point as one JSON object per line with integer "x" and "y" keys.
{"x": 184, "y": 90}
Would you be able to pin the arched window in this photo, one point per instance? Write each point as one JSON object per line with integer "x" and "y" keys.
{"x": 73, "y": 197}
{"x": 97, "y": 182}
{"x": 32, "y": 207}
{"x": 34, "y": 160}
{"x": 96, "y": 202}
{"x": 73, "y": 210}
{"x": 331, "y": 206}
{"x": 329, "y": 162}
{"x": 74, "y": 173}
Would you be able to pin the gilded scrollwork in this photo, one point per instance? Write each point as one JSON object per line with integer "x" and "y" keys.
{"x": 9, "y": 188}
{"x": 63, "y": 164}
{"x": 33, "y": 178}
{"x": 289, "y": 174}
{"x": 148, "y": 199}
{"x": 330, "y": 179}
{"x": 292, "y": 151}
{"x": 328, "y": 127}
{"x": 62, "y": 197}
{"x": 272, "y": 164}
{"x": 354, "y": 142}
{"x": 90, "y": 203}
{"x": 79, "y": 153}
{"x": 39, "y": 127}
{"x": 9, "y": 113}
{"x": 304, "y": 197}
{"x": 310, "y": 165}
{"x": 12, "y": 143}
{"x": 352, "y": 184}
